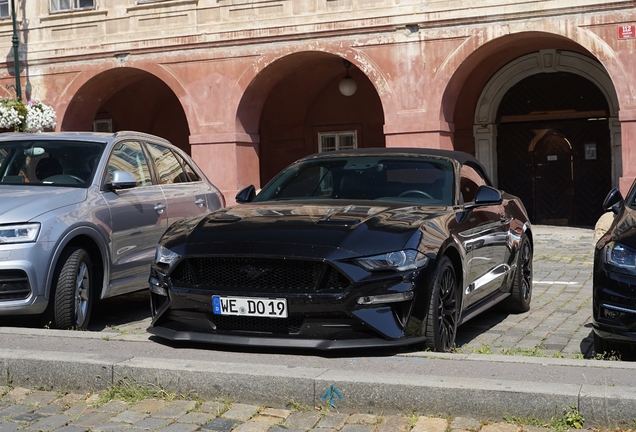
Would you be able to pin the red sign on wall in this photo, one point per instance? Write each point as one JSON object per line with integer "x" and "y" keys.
{"x": 627, "y": 31}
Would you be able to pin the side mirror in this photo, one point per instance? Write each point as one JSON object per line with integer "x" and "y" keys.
{"x": 613, "y": 201}
{"x": 122, "y": 180}
{"x": 246, "y": 195}
{"x": 485, "y": 196}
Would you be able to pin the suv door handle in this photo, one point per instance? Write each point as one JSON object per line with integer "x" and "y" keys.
{"x": 159, "y": 208}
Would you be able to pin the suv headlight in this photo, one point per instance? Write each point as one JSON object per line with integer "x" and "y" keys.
{"x": 620, "y": 255}
{"x": 165, "y": 256}
{"x": 22, "y": 233}
{"x": 408, "y": 259}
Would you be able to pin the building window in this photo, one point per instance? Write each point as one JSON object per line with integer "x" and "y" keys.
{"x": 71, "y": 5}
{"x": 4, "y": 9}
{"x": 103, "y": 125}
{"x": 331, "y": 141}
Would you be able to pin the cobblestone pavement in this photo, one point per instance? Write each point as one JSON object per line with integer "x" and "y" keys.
{"x": 34, "y": 410}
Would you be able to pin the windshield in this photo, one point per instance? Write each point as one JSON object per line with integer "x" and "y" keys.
{"x": 49, "y": 163}
{"x": 420, "y": 180}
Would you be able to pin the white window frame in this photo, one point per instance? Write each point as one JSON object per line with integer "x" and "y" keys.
{"x": 103, "y": 125}
{"x": 4, "y": 6}
{"x": 73, "y": 5}
{"x": 337, "y": 135}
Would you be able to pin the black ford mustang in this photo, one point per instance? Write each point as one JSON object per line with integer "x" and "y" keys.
{"x": 348, "y": 249}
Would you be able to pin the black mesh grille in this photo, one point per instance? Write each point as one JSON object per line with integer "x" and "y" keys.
{"x": 269, "y": 275}
{"x": 14, "y": 285}
{"x": 257, "y": 324}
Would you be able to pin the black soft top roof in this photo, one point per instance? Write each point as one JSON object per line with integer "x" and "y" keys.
{"x": 461, "y": 157}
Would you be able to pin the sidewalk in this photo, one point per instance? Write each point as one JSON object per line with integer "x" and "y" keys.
{"x": 534, "y": 366}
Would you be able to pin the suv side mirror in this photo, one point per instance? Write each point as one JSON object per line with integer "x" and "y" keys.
{"x": 246, "y": 195}
{"x": 122, "y": 180}
{"x": 613, "y": 201}
{"x": 485, "y": 196}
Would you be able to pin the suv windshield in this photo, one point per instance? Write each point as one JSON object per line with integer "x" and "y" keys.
{"x": 49, "y": 163}
{"x": 421, "y": 180}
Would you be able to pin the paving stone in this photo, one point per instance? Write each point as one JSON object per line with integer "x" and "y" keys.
{"x": 15, "y": 410}
{"x": 129, "y": 417}
{"x": 114, "y": 406}
{"x": 40, "y": 398}
{"x": 79, "y": 409}
{"x": 212, "y": 407}
{"x": 306, "y": 419}
{"x": 357, "y": 428}
{"x": 363, "y": 419}
{"x": 180, "y": 427}
{"x": 17, "y": 394}
{"x": 50, "y": 423}
{"x": 258, "y": 424}
{"x": 176, "y": 409}
{"x": 430, "y": 424}
{"x": 50, "y": 409}
{"x": 221, "y": 424}
{"x": 196, "y": 418}
{"x": 92, "y": 419}
{"x": 10, "y": 426}
{"x": 500, "y": 427}
{"x": 285, "y": 428}
{"x": 149, "y": 406}
{"x": 393, "y": 423}
{"x": 465, "y": 423}
{"x": 332, "y": 420}
{"x": 151, "y": 423}
{"x": 241, "y": 412}
{"x": 110, "y": 427}
{"x": 28, "y": 417}
{"x": 68, "y": 429}
{"x": 273, "y": 412}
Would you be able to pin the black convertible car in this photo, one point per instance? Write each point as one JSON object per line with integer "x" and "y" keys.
{"x": 348, "y": 249}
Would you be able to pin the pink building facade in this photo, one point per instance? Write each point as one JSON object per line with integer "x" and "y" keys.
{"x": 543, "y": 93}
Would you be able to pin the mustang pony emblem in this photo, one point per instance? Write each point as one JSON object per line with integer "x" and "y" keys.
{"x": 254, "y": 272}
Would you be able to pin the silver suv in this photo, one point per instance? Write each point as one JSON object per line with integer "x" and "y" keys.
{"x": 81, "y": 214}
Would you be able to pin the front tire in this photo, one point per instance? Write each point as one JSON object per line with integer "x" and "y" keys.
{"x": 443, "y": 310}
{"x": 72, "y": 299}
{"x": 521, "y": 292}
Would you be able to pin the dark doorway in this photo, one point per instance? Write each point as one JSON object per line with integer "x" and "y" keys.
{"x": 553, "y": 148}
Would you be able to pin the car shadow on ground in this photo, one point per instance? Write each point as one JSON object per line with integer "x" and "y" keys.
{"x": 120, "y": 310}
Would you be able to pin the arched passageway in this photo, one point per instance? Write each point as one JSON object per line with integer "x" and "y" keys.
{"x": 297, "y": 108}
{"x": 128, "y": 99}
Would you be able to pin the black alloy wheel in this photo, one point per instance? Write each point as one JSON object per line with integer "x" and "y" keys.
{"x": 443, "y": 311}
{"x": 521, "y": 292}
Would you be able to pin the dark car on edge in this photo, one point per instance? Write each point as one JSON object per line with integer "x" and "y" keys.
{"x": 347, "y": 249}
{"x": 614, "y": 286}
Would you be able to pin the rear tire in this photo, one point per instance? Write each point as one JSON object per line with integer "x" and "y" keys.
{"x": 521, "y": 292}
{"x": 71, "y": 301}
{"x": 443, "y": 310}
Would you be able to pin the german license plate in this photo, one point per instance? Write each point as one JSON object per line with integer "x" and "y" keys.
{"x": 249, "y": 306}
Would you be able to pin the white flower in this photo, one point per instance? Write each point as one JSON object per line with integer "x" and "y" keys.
{"x": 9, "y": 117}
{"x": 39, "y": 117}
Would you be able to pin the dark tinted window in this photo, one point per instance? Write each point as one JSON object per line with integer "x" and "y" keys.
{"x": 422, "y": 180}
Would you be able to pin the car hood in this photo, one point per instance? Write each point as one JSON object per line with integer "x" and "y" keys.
{"x": 24, "y": 203}
{"x": 310, "y": 229}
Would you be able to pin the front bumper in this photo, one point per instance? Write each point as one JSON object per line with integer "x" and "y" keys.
{"x": 328, "y": 315}
{"x": 23, "y": 278}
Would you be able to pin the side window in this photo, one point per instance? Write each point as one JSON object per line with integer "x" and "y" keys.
{"x": 166, "y": 164}
{"x": 190, "y": 174}
{"x": 70, "y": 5}
{"x": 469, "y": 182}
{"x": 128, "y": 156}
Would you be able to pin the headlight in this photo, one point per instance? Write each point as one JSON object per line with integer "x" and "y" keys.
{"x": 620, "y": 256}
{"x": 408, "y": 259}
{"x": 165, "y": 256}
{"x": 23, "y": 233}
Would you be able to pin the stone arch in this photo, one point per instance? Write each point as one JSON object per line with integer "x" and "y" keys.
{"x": 543, "y": 61}
{"x": 131, "y": 98}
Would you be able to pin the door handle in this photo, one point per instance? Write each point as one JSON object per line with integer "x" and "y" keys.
{"x": 159, "y": 208}
{"x": 200, "y": 202}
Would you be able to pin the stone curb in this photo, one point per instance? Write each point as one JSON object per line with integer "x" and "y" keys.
{"x": 279, "y": 385}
